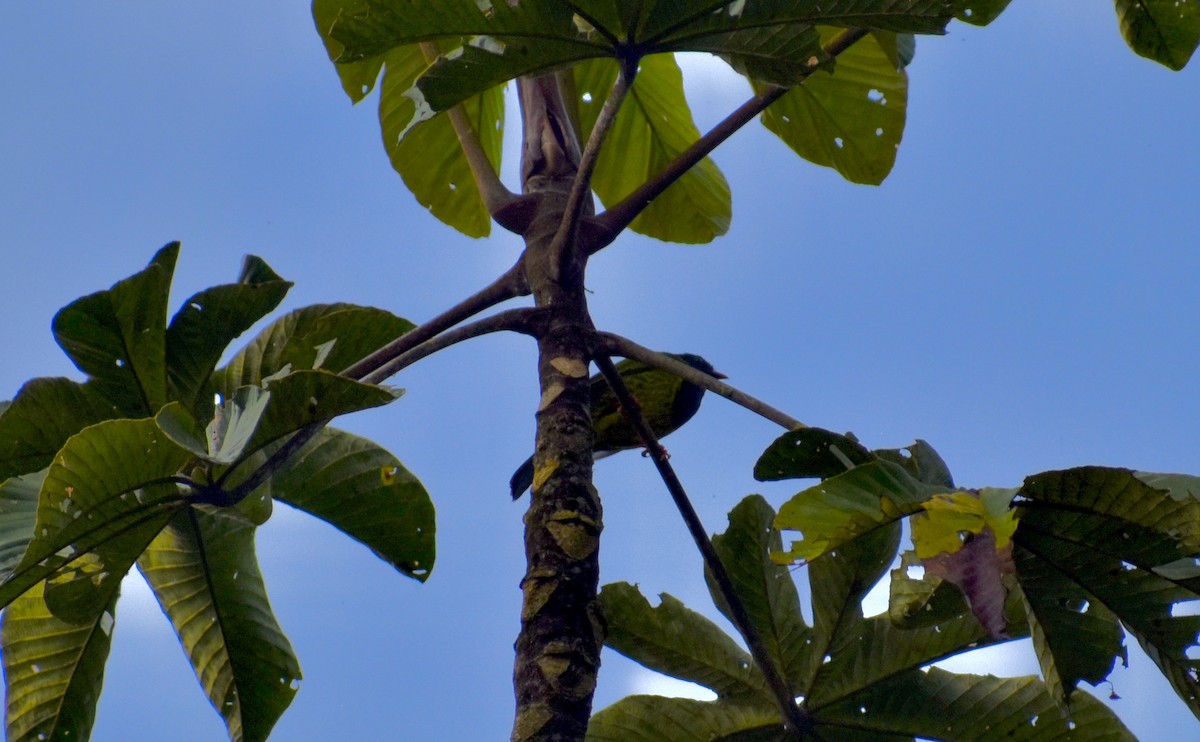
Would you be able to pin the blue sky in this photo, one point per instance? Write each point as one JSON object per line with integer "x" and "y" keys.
{"x": 1021, "y": 293}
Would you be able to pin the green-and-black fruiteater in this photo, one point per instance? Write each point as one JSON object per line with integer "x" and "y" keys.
{"x": 667, "y": 402}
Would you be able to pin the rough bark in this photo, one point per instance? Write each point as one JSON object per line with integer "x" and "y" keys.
{"x": 558, "y": 649}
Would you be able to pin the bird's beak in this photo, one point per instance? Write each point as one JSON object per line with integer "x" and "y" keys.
{"x": 719, "y": 375}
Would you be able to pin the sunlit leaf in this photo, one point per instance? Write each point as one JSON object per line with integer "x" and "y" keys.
{"x": 205, "y": 574}
{"x": 429, "y": 158}
{"x": 1166, "y": 31}
{"x": 849, "y": 505}
{"x": 118, "y": 336}
{"x": 852, "y": 120}
{"x": 366, "y": 493}
{"x": 679, "y": 642}
{"x": 53, "y": 670}
{"x": 652, "y": 128}
{"x": 106, "y": 494}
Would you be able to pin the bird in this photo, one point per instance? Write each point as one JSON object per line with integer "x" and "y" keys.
{"x": 667, "y": 402}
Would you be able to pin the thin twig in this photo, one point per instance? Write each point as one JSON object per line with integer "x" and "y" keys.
{"x": 507, "y": 286}
{"x": 795, "y": 716}
{"x": 621, "y": 346}
{"x": 622, "y": 214}
{"x": 581, "y": 187}
{"x": 491, "y": 189}
{"x": 515, "y": 320}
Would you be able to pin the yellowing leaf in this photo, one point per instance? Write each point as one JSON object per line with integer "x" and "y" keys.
{"x": 947, "y": 518}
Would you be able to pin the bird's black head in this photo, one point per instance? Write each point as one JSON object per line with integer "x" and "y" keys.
{"x": 700, "y": 364}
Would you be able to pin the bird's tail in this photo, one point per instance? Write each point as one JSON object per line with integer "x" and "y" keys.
{"x": 522, "y": 479}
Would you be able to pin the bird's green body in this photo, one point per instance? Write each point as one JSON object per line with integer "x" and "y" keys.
{"x": 667, "y": 402}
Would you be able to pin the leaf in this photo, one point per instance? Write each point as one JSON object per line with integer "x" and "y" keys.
{"x": 429, "y": 158}
{"x": 921, "y": 603}
{"x": 766, "y": 590}
{"x": 366, "y": 493}
{"x": 658, "y": 719}
{"x": 921, "y": 462}
{"x": 1119, "y": 493}
{"x": 651, "y": 129}
{"x": 18, "y": 513}
{"x": 947, "y": 518}
{"x": 1129, "y": 569}
{"x": 841, "y": 508}
{"x": 209, "y": 321}
{"x": 54, "y": 670}
{"x": 1075, "y": 636}
{"x": 839, "y": 581}
{"x": 235, "y": 424}
{"x": 676, "y": 641}
{"x": 302, "y": 398}
{"x": 808, "y": 453}
{"x": 296, "y": 337}
{"x": 45, "y": 413}
{"x": 852, "y": 120}
{"x": 118, "y": 336}
{"x": 104, "y": 497}
{"x": 204, "y": 572}
{"x": 978, "y": 569}
{"x": 979, "y": 12}
{"x": 936, "y": 704}
{"x": 1166, "y": 31}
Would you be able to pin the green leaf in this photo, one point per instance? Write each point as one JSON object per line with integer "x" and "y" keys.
{"x": 118, "y": 336}
{"x": 1166, "y": 31}
{"x": 204, "y": 572}
{"x": 1128, "y": 569}
{"x": 1120, "y": 494}
{"x": 840, "y": 580}
{"x": 1075, "y": 636}
{"x": 852, "y": 120}
{"x": 921, "y": 603}
{"x": 658, "y": 719}
{"x": 302, "y": 398}
{"x": 53, "y": 670}
{"x": 295, "y": 339}
{"x": 849, "y": 505}
{"x": 679, "y": 642}
{"x": 366, "y": 493}
{"x": 45, "y": 413}
{"x": 921, "y": 462}
{"x": 766, "y": 590}
{"x": 429, "y": 158}
{"x": 235, "y": 424}
{"x": 979, "y": 12}
{"x": 209, "y": 321}
{"x": 651, "y": 129}
{"x": 807, "y": 453}
{"x": 18, "y": 514}
{"x": 105, "y": 496}
{"x": 874, "y": 650}
{"x": 936, "y": 704}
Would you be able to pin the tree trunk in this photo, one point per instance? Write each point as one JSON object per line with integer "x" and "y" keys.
{"x": 558, "y": 650}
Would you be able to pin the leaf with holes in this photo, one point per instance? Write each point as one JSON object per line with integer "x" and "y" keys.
{"x": 1166, "y": 31}
{"x": 203, "y": 570}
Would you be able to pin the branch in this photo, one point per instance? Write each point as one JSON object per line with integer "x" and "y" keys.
{"x": 796, "y": 718}
{"x": 510, "y": 285}
{"x": 612, "y": 344}
{"x": 515, "y": 320}
{"x": 493, "y": 192}
{"x": 622, "y": 214}
{"x": 581, "y": 187}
